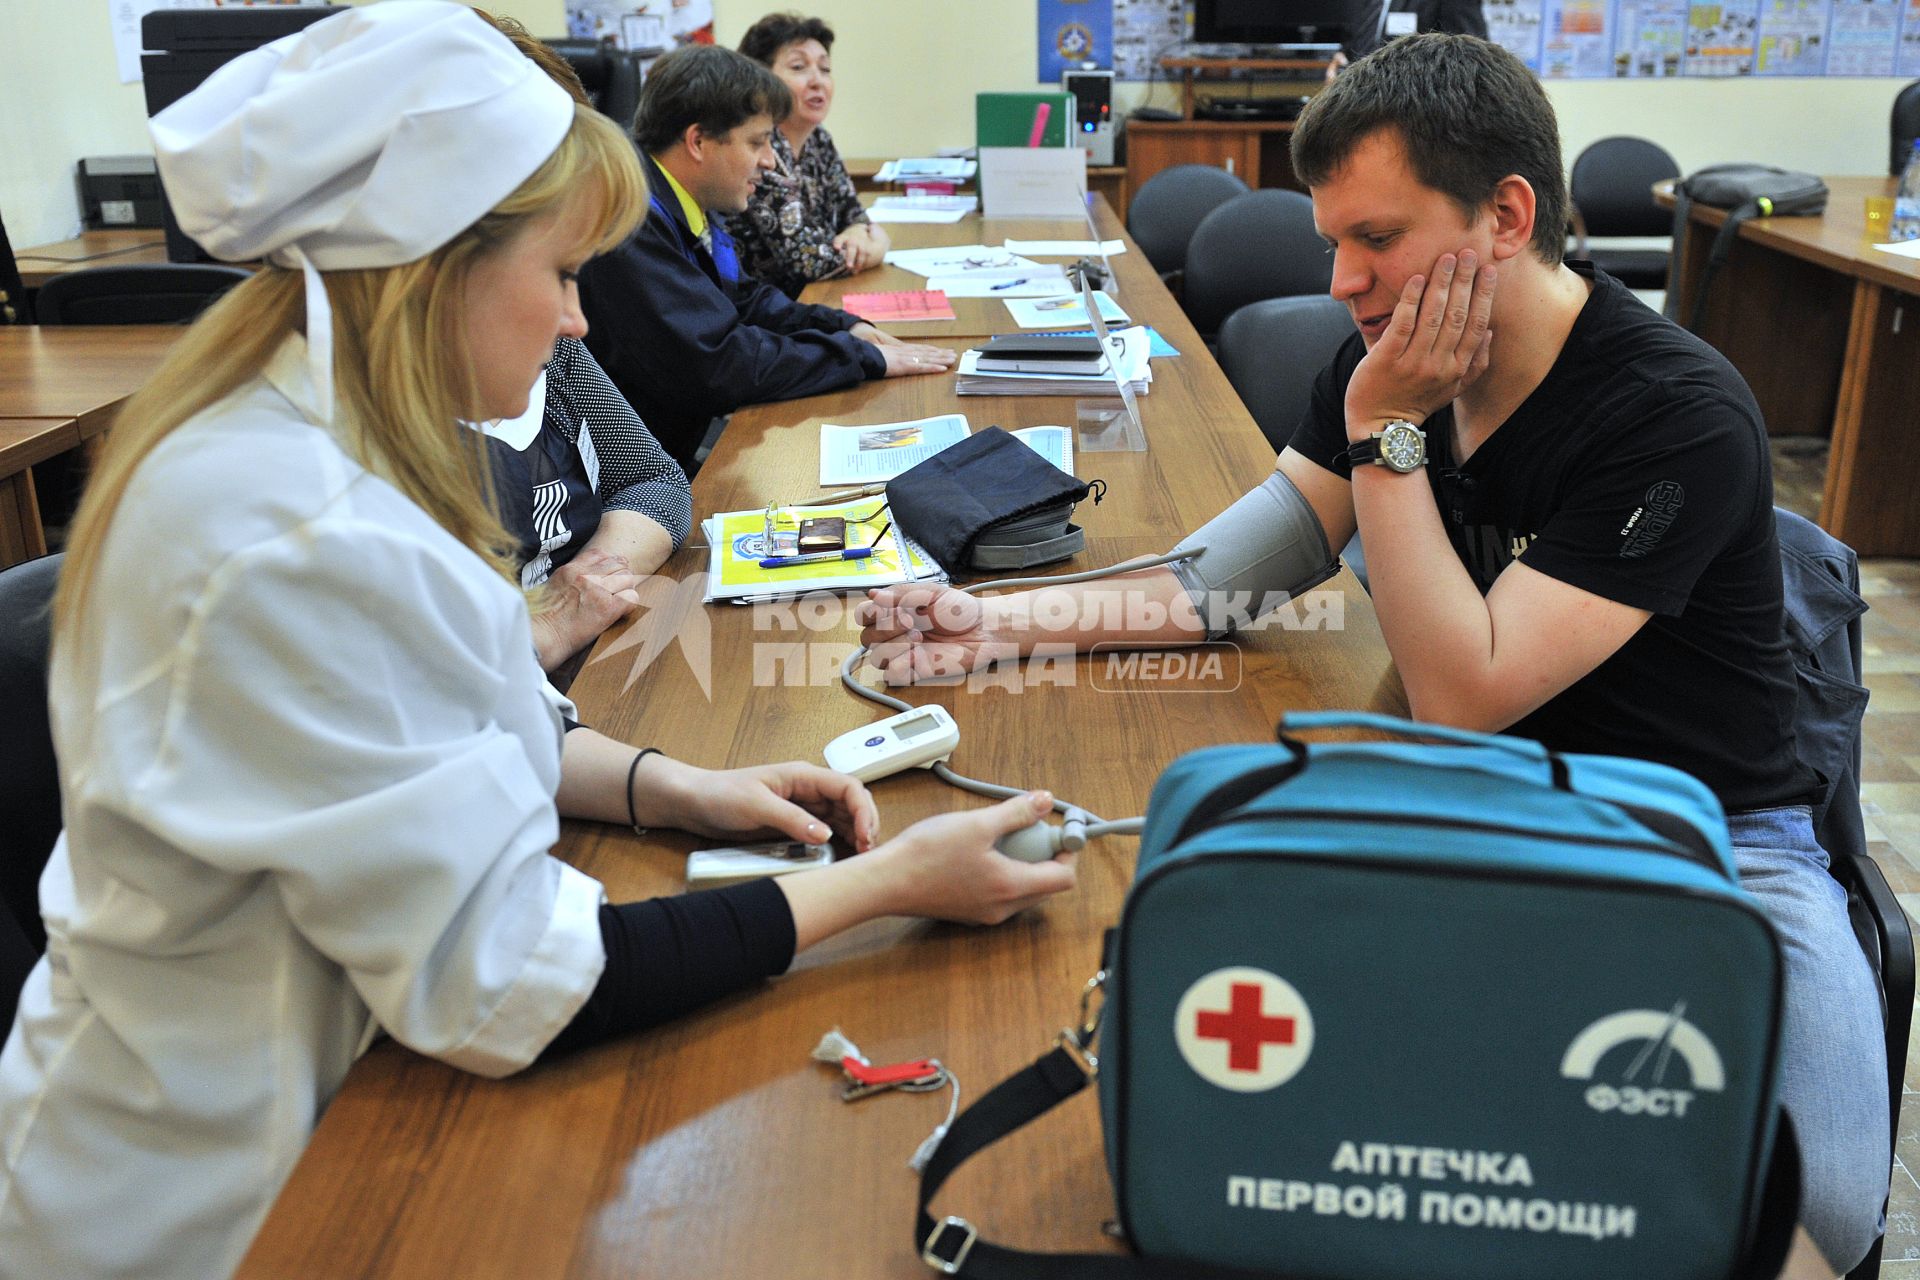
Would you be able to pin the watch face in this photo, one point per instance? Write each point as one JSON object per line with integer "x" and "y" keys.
{"x": 1403, "y": 447}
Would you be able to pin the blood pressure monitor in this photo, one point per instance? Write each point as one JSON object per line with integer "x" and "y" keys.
{"x": 918, "y": 738}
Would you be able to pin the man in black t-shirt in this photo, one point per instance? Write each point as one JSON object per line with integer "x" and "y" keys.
{"x": 1588, "y": 556}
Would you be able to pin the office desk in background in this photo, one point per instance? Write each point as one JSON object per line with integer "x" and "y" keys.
{"x": 1109, "y": 181}
{"x": 983, "y": 317}
{"x": 714, "y": 1146}
{"x": 1826, "y": 330}
{"x": 60, "y": 387}
{"x": 90, "y": 249}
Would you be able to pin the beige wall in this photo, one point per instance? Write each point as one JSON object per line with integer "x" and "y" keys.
{"x": 908, "y": 72}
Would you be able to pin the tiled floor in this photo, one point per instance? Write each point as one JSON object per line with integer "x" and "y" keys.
{"x": 1889, "y": 791}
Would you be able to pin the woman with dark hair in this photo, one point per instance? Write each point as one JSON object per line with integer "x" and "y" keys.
{"x": 805, "y": 222}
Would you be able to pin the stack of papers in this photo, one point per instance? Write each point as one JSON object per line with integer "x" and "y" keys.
{"x": 952, "y": 167}
{"x": 922, "y": 208}
{"x": 1131, "y": 351}
{"x": 883, "y": 450}
{"x": 737, "y": 542}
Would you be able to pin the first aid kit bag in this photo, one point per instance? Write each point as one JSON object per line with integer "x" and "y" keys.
{"x": 1459, "y": 1011}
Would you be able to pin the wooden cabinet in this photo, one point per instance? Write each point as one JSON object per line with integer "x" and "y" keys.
{"x": 1256, "y": 150}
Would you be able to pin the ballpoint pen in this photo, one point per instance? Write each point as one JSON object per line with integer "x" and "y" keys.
{"x": 995, "y": 288}
{"x": 816, "y": 557}
{"x": 848, "y": 495}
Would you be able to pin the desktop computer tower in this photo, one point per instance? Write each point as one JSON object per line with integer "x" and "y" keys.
{"x": 1093, "y": 112}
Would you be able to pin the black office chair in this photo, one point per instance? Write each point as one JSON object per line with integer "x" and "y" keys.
{"x": 1271, "y": 351}
{"x": 1612, "y": 196}
{"x": 610, "y": 76}
{"x": 29, "y": 781}
{"x": 1824, "y": 607}
{"x": 1906, "y": 127}
{"x": 1163, "y": 213}
{"x": 149, "y": 293}
{"x": 1255, "y": 246}
{"x": 13, "y": 294}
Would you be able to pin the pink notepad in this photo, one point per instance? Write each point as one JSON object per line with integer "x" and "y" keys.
{"x": 909, "y": 304}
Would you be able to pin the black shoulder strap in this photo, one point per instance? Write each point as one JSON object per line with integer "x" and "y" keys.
{"x": 953, "y": 1247}
{"x": 1722, "y": 246}
{"x": 1676, "y": 263}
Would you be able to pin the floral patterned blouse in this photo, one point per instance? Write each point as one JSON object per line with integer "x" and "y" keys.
{"x": 785, "y": 237}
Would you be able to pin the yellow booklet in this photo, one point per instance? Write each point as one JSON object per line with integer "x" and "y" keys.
{"x": 737, "y": 542}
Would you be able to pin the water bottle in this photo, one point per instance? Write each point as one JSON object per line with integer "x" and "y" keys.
{"x": 1906, "y": 204}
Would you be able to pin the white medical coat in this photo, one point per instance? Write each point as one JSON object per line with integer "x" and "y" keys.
{"x": 308, "y": 770}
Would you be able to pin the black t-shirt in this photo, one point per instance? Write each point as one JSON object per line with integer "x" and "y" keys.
{"x": 1637, "y": 470}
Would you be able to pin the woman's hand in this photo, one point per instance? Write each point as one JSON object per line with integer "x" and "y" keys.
{"x": 584, "y": 597}
{"x": 919, "y": 633}
{"x": 861, "y": 246}
{"x": 945, "y": 868}
{"x": 762, "y": 802}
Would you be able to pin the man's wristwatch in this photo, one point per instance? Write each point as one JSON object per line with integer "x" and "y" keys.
{"x": 1401, "y": 446}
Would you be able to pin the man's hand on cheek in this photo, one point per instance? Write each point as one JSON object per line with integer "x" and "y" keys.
{"x": 1438, "y": 342}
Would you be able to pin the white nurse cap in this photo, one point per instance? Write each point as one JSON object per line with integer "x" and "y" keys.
{"x": 369, "y": 139}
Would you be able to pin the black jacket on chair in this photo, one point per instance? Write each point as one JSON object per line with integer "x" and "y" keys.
{"x": 685, "y": 344}
{"x": 1821, "y": 576}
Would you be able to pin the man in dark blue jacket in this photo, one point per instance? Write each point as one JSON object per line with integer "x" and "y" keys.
{"x": 670, "y": 318}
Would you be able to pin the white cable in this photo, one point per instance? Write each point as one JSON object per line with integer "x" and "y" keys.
{"x": 1076, "y": 817}
{"x": 924, "y": 1152}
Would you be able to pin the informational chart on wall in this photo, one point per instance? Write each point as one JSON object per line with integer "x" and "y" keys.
{"x": 1569, "y": 39}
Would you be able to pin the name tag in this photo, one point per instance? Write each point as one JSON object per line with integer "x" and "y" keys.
{"x": 1401, "y": 24}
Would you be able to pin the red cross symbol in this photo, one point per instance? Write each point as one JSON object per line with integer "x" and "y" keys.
{"x": 1244, "y": 1028}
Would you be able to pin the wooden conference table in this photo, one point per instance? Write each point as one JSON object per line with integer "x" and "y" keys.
{"x": 114, "y": 247}
{"x": 713, "y": 1146}
{"x": 1826, "y": 330}
{"x": 60, "y": 387}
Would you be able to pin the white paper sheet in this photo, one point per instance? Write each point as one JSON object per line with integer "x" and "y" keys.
{"x": 907, "y": 213}
{"x": 882, "y": 450}
{"x": 954, "y": 258}
{"x": 1904, "y": 248}
{"x": 1003, "y": 282}
{"x": 1063, "y": 313}
{"x": 1067, "y": 248}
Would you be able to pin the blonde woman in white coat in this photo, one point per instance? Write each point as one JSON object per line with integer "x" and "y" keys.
{"x": 309, "y": 771}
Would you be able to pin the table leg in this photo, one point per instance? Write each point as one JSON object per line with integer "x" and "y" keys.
{"x": 21, "y": 537}
{"x": 1868, "y": 501}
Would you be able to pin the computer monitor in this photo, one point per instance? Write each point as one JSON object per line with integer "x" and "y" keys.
{"x": 182, "y": 47}
{"x": 1276, "y": 22}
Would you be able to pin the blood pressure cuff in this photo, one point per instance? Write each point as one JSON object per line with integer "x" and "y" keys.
{"x": 1253, "y": 557}
{"x": 990, "y": 503}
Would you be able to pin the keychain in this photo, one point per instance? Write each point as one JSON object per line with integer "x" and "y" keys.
{"x": 864, "y": 1079}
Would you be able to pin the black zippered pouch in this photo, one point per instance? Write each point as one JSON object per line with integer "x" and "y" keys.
{"x": 990, "y": 503}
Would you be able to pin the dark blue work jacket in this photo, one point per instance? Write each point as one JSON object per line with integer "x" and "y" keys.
{"x": 687, "y": 341}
